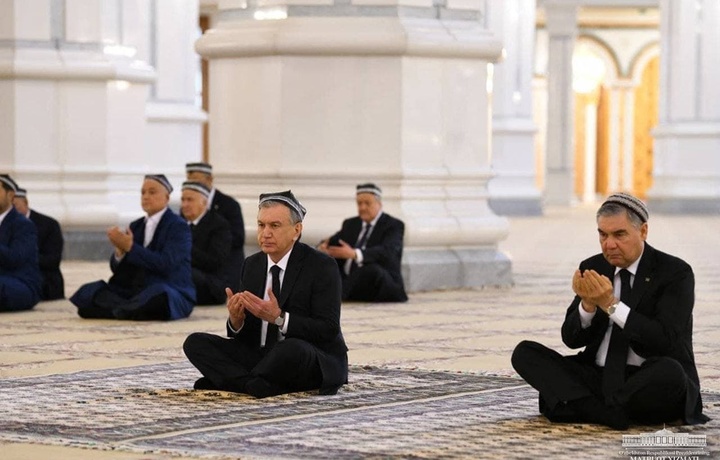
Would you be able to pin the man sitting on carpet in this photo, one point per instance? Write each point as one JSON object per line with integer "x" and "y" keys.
{"x": 368, "y": 249}
{"x": 284, "y": 325}
{"x": 20, "y": 281}
{"x": 50, "y": 247}
{"x": 152, "y": 277}
{"x": 633, "y": 314}
{"x": 211, "y": 244}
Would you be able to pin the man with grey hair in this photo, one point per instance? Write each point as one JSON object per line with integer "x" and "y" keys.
{"x": 284, "y": 323}
{"x": 368, "y": 249}
{"x": 632, "y": 313}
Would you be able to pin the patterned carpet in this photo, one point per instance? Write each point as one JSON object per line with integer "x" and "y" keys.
{"x": 381, "y": 413}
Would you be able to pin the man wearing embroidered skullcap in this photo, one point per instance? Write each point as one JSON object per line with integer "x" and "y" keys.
{"x": 632, "y": 313}
{"x": 368, "y": 249}
{"x": 20, "y": 281}
{"x": 284, "y": 325}
{"x": 211, "y": 244}
{"x": 230, "y": 210}
{"x": 50, "y": 247}
{"x": 152, "y": 275}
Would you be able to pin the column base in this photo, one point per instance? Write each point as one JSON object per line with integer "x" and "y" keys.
{"x": 86, "y": 245}
{"x": 432, "y": 269}
{"x": 516, "y": 206}
{"x": 680, "y": 205}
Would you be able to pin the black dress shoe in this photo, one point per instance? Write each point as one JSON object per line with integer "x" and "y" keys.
{"x": 261, "y": 388}
{"x": 329, "y": 391}
{"x": 204, "y": 383}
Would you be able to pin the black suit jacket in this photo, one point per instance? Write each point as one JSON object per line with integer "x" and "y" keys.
{"x": 384, "y": 247}
{"x": 211, "y": 248}
{"x": 50, "y": 248}
{"x": 660, "y": 322}
{"x": 311, "y": 294}
{"x": 230, "y": 210}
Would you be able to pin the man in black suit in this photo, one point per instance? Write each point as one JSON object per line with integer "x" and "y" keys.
{"x": 230, "y": 210}
{"x": 20, "y": 282}
{"x": 368, "y": 249}
{"x": 211, "y": 243}
{"x": 50, "y": 247}
{"x": 632, "y": 312}
{"x": 284, "y": 326}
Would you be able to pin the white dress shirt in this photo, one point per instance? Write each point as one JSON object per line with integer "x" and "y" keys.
{"x": 619, "y": 317}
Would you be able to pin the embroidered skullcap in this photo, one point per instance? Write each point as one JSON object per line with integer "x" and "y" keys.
{"x": 21, "y": 193}
{"x": 286, "y": 198}
{"x": 369, "y": 188}
{"x": 196, "y": 186}
{"x": 630, "y": 202}
{"x": 198, "y": 167}
{"x": 7, "y": 180}
{"x": 162, "y": 180}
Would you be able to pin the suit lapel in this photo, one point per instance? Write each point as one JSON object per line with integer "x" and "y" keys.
{"x": 643, "y": 277}
{"x": 159, "y": 230}
{"x": 292, "y": 272}
{"x": 377, "y": 229}
{"x": 258, "y": 278}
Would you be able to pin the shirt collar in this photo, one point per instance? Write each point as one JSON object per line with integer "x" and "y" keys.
{"x": 282, "y": 263}
{"x": 632, "y": 268}
{"x": 210, "y": 198}
{"x": 374, "y": 221}
{"x": 155, "y": 218}
{"x": 196, "y": 221}
{"x": 3, "y": 215}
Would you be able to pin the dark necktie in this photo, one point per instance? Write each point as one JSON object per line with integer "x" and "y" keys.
{"x": 616, "y": 360}
{"x": 272, "y": 331}
{"x": 363, "y": 239}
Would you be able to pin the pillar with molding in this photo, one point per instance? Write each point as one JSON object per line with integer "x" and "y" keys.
{"x": 80, "y": 117}
{"x": 561, "y": 24}
{"x": 686, "y": 176}
{"x": 514, "y": 190}
{"x": 318, "y": 97}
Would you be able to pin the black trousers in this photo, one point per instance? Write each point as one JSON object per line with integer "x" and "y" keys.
{"x": 653, "y": 393}
{"x": 290, "y": 365}
{"x": 372, "y": 283}
{"x": 111, "y": 305}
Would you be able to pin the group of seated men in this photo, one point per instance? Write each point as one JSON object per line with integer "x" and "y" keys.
{"x": 165, "y": 263}
{"x": 632, "y": 310}
{"x": 31, "y": 246}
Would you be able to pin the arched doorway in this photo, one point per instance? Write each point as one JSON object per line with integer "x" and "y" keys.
{"x": 593, "y": 65}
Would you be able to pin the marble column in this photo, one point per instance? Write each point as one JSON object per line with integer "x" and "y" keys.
{"x": 686, "y": 176}
{"x": 561, "y": 23}
{"x": 93, "y": 95}
{"x": 620, "y": 139}
{"x": 317, "y": 96}
{"x": 514, "y": 190}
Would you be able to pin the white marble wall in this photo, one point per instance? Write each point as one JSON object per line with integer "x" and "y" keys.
{"x": 93, "y": 95}
{"x": 687, "y": 140}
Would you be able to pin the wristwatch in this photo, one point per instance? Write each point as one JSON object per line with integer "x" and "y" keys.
{"x": 280, "y": 320}
{"x": 611, "y": 309}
